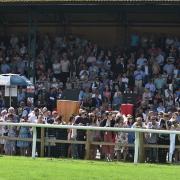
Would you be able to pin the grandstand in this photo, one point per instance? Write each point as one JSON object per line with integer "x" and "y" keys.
{"x": 105, "y": 54}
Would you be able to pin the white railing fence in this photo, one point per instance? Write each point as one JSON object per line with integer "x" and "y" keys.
{"x": 138, "y": 144}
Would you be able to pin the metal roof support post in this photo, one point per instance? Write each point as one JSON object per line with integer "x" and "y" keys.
{"x": 34, "y": 52}
{"x": 32, "y": 45}
{"x": 29, "y": 45}
{"x": 125, "y": 26}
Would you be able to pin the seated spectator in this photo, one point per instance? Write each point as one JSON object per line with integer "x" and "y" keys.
{"x": 161, "y": 108}
{"x": 84, "y": 73}
{"x": 5, "y": 68}
{"x": 155, "y": 69}
{"x": 151, "y": 87}
{"x": 159, "y": 58}
{"x": 96, "y": 100}
{"x": 91, "y": 59}
{"x": 107, "y": 94}
{"x": 159, "y": 82}
{"x": 93, "y": 71}
{"x": 146, "y": 95}
{"x": 117, "y": 100}
{"x": 169, "y": 67}
{"x": 141, "y": 60}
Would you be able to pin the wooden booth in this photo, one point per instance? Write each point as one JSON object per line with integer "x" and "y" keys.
{"x": 67, "y": 107}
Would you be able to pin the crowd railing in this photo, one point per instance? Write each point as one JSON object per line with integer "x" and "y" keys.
{"x": 139, "y": 145}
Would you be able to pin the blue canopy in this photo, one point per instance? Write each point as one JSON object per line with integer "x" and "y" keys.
{"x": 14, "y": 79}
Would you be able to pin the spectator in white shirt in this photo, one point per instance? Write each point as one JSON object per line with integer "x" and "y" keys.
{"x": 65, "y": 68}
{"x": 56, "y": 66}
{"x": 33, "y": 116}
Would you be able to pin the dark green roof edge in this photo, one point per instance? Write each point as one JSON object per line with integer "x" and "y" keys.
{"x": 90, "y": 1}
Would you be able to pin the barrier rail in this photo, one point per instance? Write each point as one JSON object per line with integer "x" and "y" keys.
{"x": 139, "y": 144}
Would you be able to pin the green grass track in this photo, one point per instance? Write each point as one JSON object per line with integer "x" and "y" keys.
{"x": 22, "y": 168}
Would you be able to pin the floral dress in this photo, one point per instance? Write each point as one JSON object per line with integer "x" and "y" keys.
{"x": 121, "y": 141}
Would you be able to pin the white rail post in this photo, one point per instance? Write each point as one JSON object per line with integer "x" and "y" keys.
{"x": 172, "y": 146}
{"x": 34, "y": 142}
{"x": 136, "y": 151}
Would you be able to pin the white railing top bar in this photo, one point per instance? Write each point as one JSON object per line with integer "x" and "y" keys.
{"x": 91, "y": 128}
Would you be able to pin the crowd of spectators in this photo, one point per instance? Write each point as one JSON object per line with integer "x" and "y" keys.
{"x": 96, "y": 118}
{"x": 149, "y": 67}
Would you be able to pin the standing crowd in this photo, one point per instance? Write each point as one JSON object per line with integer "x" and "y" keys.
{"x": 148, "y": 68}
{"x": 120, "y": 151}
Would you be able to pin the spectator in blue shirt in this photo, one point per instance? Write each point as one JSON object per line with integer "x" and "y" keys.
{"x": 5, "y": 68}
{"x": 169, "y": 68}
{"x": 150, "y": 86}
{"x": 138, "y": 76}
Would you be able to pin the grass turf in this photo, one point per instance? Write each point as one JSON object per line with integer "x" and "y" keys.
{"x": 22, "y": 168}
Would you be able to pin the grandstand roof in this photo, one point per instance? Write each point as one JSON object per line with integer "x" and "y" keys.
{"x": 93, "y": 1}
